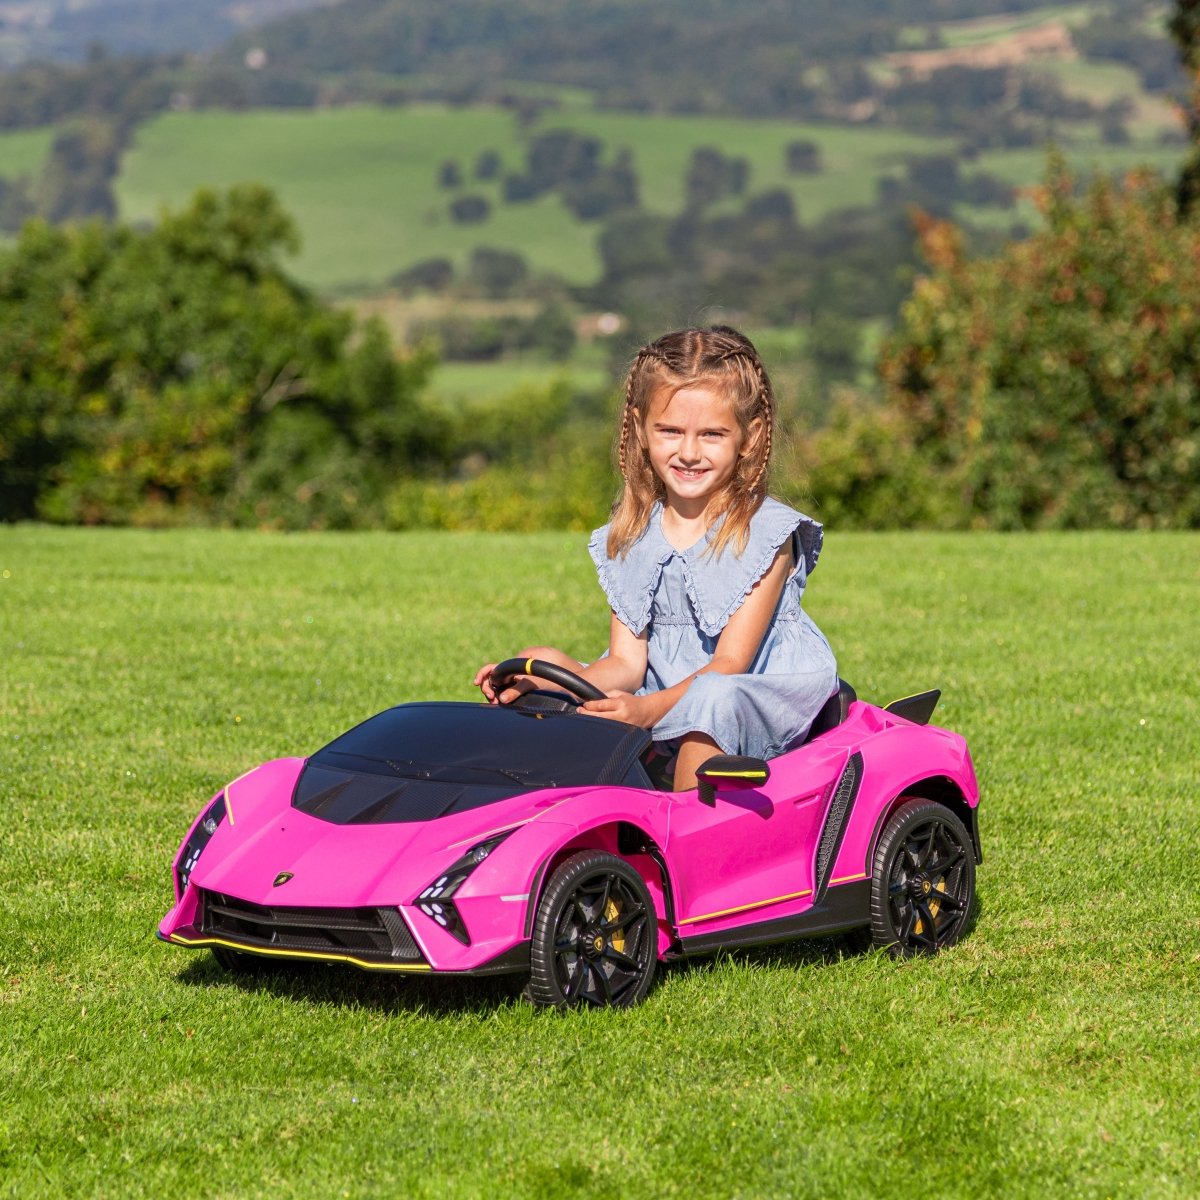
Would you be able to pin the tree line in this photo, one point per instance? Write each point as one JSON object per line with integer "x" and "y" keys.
{"x": 178, "y": 375}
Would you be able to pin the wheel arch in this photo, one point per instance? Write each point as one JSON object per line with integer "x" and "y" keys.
{"x": 629, "y": 841}
{"x": 945, "y": 791}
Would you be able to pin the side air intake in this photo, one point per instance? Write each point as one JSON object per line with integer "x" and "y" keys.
{"x": 836, "y": 820}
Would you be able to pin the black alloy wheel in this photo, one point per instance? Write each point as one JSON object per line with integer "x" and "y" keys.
{"x": 594, "y": 937}
{"x": 923, "y": 881}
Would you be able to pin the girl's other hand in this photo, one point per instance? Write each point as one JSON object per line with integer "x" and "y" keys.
{"x": 517, "y": 687}
{"x": 483, "y": 681}
{"x": 623, "y": 706}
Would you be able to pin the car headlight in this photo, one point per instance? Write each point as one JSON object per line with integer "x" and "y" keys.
{"x": 214, "y": 814}
{"x": 436, "y": 901}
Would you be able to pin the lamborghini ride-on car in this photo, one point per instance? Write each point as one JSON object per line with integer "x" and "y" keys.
{"x": 472, "y": 839}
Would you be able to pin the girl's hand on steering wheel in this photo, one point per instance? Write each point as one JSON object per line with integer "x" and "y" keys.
{"x": 624, "y": 706}
{"x": 517, "y": 686}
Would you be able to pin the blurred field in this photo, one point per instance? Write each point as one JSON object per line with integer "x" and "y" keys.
{"x": 373, "y": 205}
{"x": 362, "y": 184}
{"x": 984, "y": 30}
{"x": 22, "y": 151}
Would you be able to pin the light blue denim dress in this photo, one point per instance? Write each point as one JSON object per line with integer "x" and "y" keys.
{"x": 686, "y": 597}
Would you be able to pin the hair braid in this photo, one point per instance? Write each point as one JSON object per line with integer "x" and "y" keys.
{"x": 627, "y": 414}
{"x": 768, "y": 407}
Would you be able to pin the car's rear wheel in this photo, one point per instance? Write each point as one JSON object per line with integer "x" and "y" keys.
{"x": 923, "y": 881}
{"x": 594, "y": 936}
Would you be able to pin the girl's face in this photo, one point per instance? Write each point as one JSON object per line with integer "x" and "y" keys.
{"x": 694, "y": 442}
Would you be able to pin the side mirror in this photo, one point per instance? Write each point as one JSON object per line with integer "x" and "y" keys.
{"x": 729, "y": 773}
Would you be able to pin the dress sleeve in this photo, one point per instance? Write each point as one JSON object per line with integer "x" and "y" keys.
{"x": 807, "y": 539}
{"x": 628, "y": 583}
{"x": 718, "y": 587}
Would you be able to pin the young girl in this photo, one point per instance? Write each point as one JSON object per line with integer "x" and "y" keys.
{"x": 709, "y": 648}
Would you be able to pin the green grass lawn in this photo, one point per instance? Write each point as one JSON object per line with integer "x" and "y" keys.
{"x": 1053, "y": 1052}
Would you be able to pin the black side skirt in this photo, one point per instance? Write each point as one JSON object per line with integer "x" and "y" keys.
{"x": 844, "y": 906}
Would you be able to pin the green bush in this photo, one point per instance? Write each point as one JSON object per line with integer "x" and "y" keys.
{"x": 1056, "y": 385}
{"x": 178, "y": 375}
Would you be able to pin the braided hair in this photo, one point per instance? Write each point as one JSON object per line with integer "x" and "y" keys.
{"x": 718, "y": 357}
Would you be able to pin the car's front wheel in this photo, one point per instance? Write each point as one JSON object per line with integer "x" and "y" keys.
{"x": 594, "y": 936}
{"x": 923, "y": 881}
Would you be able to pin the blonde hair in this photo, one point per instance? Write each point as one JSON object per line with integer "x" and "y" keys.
{"x": 726, "y": 361}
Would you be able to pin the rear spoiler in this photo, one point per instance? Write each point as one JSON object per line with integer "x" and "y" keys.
{"x": 917, "y": 709}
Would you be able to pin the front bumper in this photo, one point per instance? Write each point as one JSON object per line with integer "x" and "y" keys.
{"x": 373, "y": 939}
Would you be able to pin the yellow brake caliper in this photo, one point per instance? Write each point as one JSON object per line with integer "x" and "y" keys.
{"x": 935, "y": 889}
{"x": 611, "y": 913}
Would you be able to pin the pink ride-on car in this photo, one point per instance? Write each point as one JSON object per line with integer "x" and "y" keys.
{"x": 470, "y": 839}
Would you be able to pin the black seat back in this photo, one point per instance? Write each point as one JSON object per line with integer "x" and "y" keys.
{"x": 833, "y": 712}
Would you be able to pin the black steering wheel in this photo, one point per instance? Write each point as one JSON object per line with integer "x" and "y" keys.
{"x": 503, "y": 673}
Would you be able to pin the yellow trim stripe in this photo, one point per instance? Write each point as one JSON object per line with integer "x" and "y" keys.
{"x": 728, "y": 912}
{"x": 228, "y": 799}
{"x": 528, "y": 666}
{"x": 736, "y": 774}
{"x": 349, "y": 958}
{"x": 848, "y": 879}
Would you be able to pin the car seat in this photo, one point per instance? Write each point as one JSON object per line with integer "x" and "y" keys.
{"x": 833, "y": 712}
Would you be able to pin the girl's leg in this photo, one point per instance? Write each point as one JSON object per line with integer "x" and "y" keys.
{"x": 694, "y": 749}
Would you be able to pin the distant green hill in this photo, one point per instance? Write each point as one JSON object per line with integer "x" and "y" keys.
{"x": 363, "y": 182}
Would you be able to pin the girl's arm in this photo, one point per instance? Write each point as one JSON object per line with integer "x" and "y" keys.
{"x": 622, "y": 669}
{"x": 735, "y": 651}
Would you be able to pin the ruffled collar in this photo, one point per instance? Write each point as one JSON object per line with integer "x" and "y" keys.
{"x": 716, "y": 586}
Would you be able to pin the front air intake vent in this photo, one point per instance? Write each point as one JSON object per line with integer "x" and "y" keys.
{"x": 373, "y": 933}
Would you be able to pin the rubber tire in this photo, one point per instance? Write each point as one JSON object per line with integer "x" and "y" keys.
{"x": 545, "y": 990}
{"x": 914, "y": 811}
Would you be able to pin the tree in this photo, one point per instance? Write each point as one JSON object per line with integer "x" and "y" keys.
{"x": 711, "y": 176}
{"x": 470, "y": 210}
{"x": 429, "y": 274}
{"x": 1185, "y": 29}
{"x": 1058, "y": 384}
{"x": 178, "y": 373}
{"x": 497, "y": 272}
{"x": 488, "y": 164}
{"x": 803, "y": 157}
